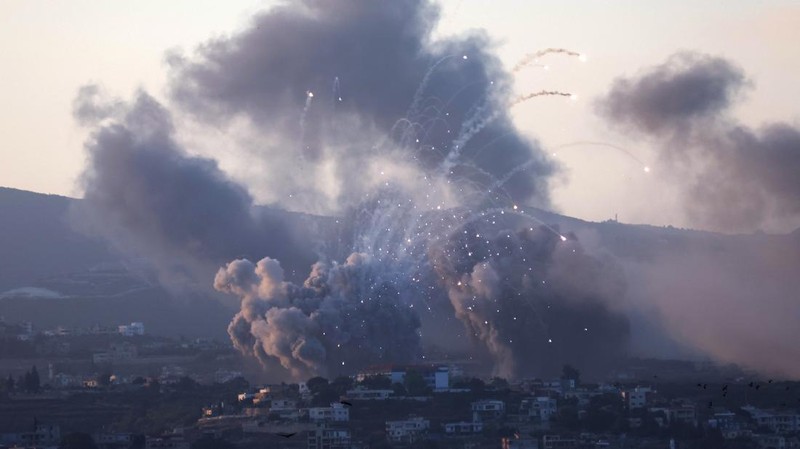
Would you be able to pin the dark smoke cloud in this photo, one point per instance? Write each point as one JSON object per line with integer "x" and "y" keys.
{"x": 534, "y": 302}
{"x": 92, "y": 104}
{"x": 420, "y": 132}
{"x": 375, "y": 55}
{"x": 673, "y": 96}
{"x": 729, "y": 298}
{"x": 145, "y": 193}
{"x": 734, "y": 178}
{"x": 343, "y": 317}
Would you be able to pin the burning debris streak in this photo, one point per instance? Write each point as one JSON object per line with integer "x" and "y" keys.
{"x": 622, "y": 150}
{"x": 542, "y": 93}
{"x": 532, "y": 58}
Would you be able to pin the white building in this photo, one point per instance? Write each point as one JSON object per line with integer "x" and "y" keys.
{"x": 437, "y": 377}
{"x": 463, "y": 428}
{"x": 779, "y": 422}
{"x": 362, "y": 394}
{"x": 170, "y": 442}
{"x": 117, "y": 353}
{"x": 557, "y": 442}
{"x": 336, "y": 413}
{"x": 408, "y": 430}
{"x": 539, "y": 408}
{"x": 113, "y": 440}
{"x": 130, "y": 330}
{"x": 636, "y": 398}
{"x": 286, "y": 408}
{"x": 583, "y": 395}
{"x": 520, "y": 443}
{"x": 327, "y": 437}
{"x": 25, "y": 331}
{"x": 487, "y": 410}
{"x": 222, "y": 376}
{"x": 771, "y": 441}
{"x": 729, "y": 425}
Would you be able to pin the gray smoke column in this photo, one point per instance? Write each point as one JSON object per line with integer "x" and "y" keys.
{"x": 532, "y": 301}
{"x": 145, "y": 194}
{"x": 378, "y": 78}
{"x": 734, "y": 177}
{"x": 344, "y": 316}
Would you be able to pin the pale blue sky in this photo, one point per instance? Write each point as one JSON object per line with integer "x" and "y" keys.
{"x": 50, "y": 48}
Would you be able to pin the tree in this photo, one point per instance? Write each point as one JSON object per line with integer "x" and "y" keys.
{"x": 30, "y": 381}
{"x": 713, "y": 439}
{"x": 476, "y": 385}
{"x": 415, "y": 384}
{"x": 322, "y": 392}
{"x": 569, "y": 372}
{"x": 104, "y": 379}
{"x": 186, "y": 383}
{"x": 77, "y": 440}
{"x": 341, "y": 384}
{"x": 35, "y": 380}
{"x": 568, "y": 416}
{"x": 377, "y": 382}
{"x": 498, "y": 383}
{"x": 209, "y": 442}
{"x": 316, "y": 384}
{"x": 399, "y": 389}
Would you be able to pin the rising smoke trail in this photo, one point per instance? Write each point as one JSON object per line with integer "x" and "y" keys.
{"x": 306, "y": 107}
{"x": 624, "y": 151}
{"x": 533, "y": 57}
{"x": 482, "y": 116}
{"x": 542, "y": 93}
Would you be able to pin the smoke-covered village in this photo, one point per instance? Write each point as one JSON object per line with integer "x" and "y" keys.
{"x": 398, "y": 224}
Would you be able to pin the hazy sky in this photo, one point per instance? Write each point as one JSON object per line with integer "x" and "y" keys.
{"x": 49, "y": 49}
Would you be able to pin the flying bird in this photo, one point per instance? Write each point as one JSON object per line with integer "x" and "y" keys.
{"x": 286, "y": 435}
{"x": 346, "y": 403}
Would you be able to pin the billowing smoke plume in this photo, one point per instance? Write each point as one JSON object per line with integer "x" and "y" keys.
{"x": 350, "y": 107}
{"x": 143, "y": 192}
{"x": 734, "y": 178}
{"x": 378, "y": 80}
{"x": 343, "y": 317}
{"x": 532, "y": 300}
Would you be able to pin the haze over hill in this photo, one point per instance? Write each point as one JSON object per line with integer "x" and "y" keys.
{"x": 687, "y": 293}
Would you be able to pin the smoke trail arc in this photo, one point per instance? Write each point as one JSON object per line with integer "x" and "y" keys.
{"x": 646, "y": 167}
{"x": 531, "y": 58}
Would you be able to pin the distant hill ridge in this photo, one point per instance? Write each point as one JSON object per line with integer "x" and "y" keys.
{"x": 39, "y": 248}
